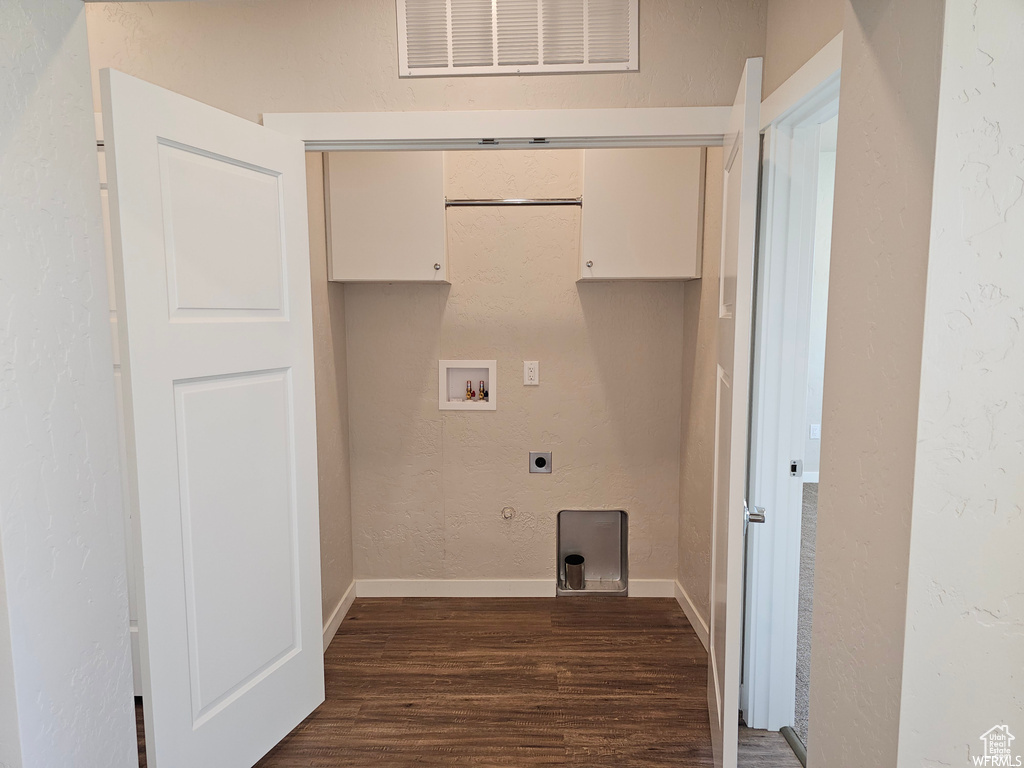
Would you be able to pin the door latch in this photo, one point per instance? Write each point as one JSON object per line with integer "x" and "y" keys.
{"x": 757, "y": 516}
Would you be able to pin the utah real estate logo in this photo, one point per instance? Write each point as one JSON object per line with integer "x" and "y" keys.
{"x": 998, "y": 748}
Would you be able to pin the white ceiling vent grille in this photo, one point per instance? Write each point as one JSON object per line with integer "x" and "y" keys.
{"x": 493, "y": 37}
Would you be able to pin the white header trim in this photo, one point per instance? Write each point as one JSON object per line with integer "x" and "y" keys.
{"x": 642, "y": 126}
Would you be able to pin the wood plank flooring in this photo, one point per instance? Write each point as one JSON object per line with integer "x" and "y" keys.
{"x": 765, "y": 749}
{"x": 513, "y": 682}
{"x": 509, "y": 682}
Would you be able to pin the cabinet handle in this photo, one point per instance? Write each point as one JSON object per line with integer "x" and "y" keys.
{"x": 437, "y": 266}
{"x": 590, "y": 264}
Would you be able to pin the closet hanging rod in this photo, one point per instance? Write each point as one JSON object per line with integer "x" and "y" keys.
{"x": 514, "y": 201}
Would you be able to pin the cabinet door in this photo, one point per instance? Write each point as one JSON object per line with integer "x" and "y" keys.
{"x": 386, "y": 217}
{"x": 643, "y": 214}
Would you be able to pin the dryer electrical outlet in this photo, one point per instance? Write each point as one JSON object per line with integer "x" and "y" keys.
{"x": 540, "y": 462}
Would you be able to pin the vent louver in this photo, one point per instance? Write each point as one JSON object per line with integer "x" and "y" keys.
{"x": 479, "y": 37}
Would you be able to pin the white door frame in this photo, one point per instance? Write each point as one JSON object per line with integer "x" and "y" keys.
{"x": 505, "y": 129}
{"x": 778, "y": 397}
{"x": 510, "y": 129}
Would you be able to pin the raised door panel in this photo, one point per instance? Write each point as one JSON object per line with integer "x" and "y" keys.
{"x": 643, "y": 214}
{"x": 222, "y": 235}
{"x": 386, "y": 218}
{"x": 237, "y": 511}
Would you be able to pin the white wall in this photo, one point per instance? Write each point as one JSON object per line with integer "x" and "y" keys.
{"x": 308, "y": 55}
{"x": 964, "y": 650}
{"x": 428, "y": 486}
{"x": 332, "y": 434}
{"x": 819, "y": 297}
{"x": 795, "y": 31}
{"x": 700, "y": 366}
{"x": 65, "y": 596}
{"x": 342, "y": 55}
{"x": 884, "y": 163}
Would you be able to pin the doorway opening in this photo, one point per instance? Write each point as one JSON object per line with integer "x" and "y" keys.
{"x": 813, "y": 418}
{"x": 786, "y": 411}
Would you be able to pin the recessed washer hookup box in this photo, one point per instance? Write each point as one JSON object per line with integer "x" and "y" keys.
{"x": 601, "y": 537}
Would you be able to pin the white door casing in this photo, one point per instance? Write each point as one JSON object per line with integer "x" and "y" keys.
{"x": 789, "y": 201}
{"x": 209, "y": 228}
{"x": 739, "y": 223}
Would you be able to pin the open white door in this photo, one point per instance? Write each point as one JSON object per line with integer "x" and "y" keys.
{"x": 211, "y": 252}
{"x": 732, "y": 405}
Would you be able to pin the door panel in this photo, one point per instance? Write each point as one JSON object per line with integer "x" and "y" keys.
{"x": 739, "y": 221}
{"x": 223, "y": 234}
{"x": 211, "y": 257}
{"x": 235, "y": 469}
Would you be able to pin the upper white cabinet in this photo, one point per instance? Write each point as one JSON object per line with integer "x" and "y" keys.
{"x": 643, "y": 214}
{"x": 386, "y": 219}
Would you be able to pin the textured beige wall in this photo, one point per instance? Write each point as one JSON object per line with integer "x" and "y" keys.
{"x": 795, "y": 31}
{"x": 428, "y": 486}
{"x": 700, "y": 366}
{"x": 880, "y": 240}
{"x": 964, "y": 645}
{"x": 341, "y": 55}
{"x": 331, "y": 380}
{"x": 64, "y": 592}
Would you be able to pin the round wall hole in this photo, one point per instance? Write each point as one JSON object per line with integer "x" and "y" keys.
{"x": 540, "y": 462}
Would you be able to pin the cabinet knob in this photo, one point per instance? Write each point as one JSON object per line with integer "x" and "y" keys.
{"x": 590, "y": 264}
{"x": 437, "y": 266}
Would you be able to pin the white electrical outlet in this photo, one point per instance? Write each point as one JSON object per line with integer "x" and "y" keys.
{"x": 815, "y": 431}
{"x": 531, "y": 373}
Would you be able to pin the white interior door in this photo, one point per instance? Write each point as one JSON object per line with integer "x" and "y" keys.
{"x": 211, "y": 252}
{"x": 736, "y": 278}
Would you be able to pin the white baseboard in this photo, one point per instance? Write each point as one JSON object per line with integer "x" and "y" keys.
{"x": 651, "y": 588}
{"x": 455, "y": 588}
{"x": 698, "y": 623}
{"x": 810, "y": 477}
{"x": 491, "y": 588}
{"x": 338, "y": 614}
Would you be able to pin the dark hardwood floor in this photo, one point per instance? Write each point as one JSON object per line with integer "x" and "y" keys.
{"x": 765, "y": 749}
{"x": 513, "y": 682}
{"x": 509, "y": 682}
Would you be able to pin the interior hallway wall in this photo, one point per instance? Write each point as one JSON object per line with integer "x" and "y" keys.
{"x": 331, "y": 382}
{"x": 964, "y": 648}
{"x": 795, "y": 31}
{"x": 700, "y": 366}
{"x": 64, "y": 600}
{"x": 428, "y": 486}
{"x": 881, "y": 226}
{"x": 342, "y": 55}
